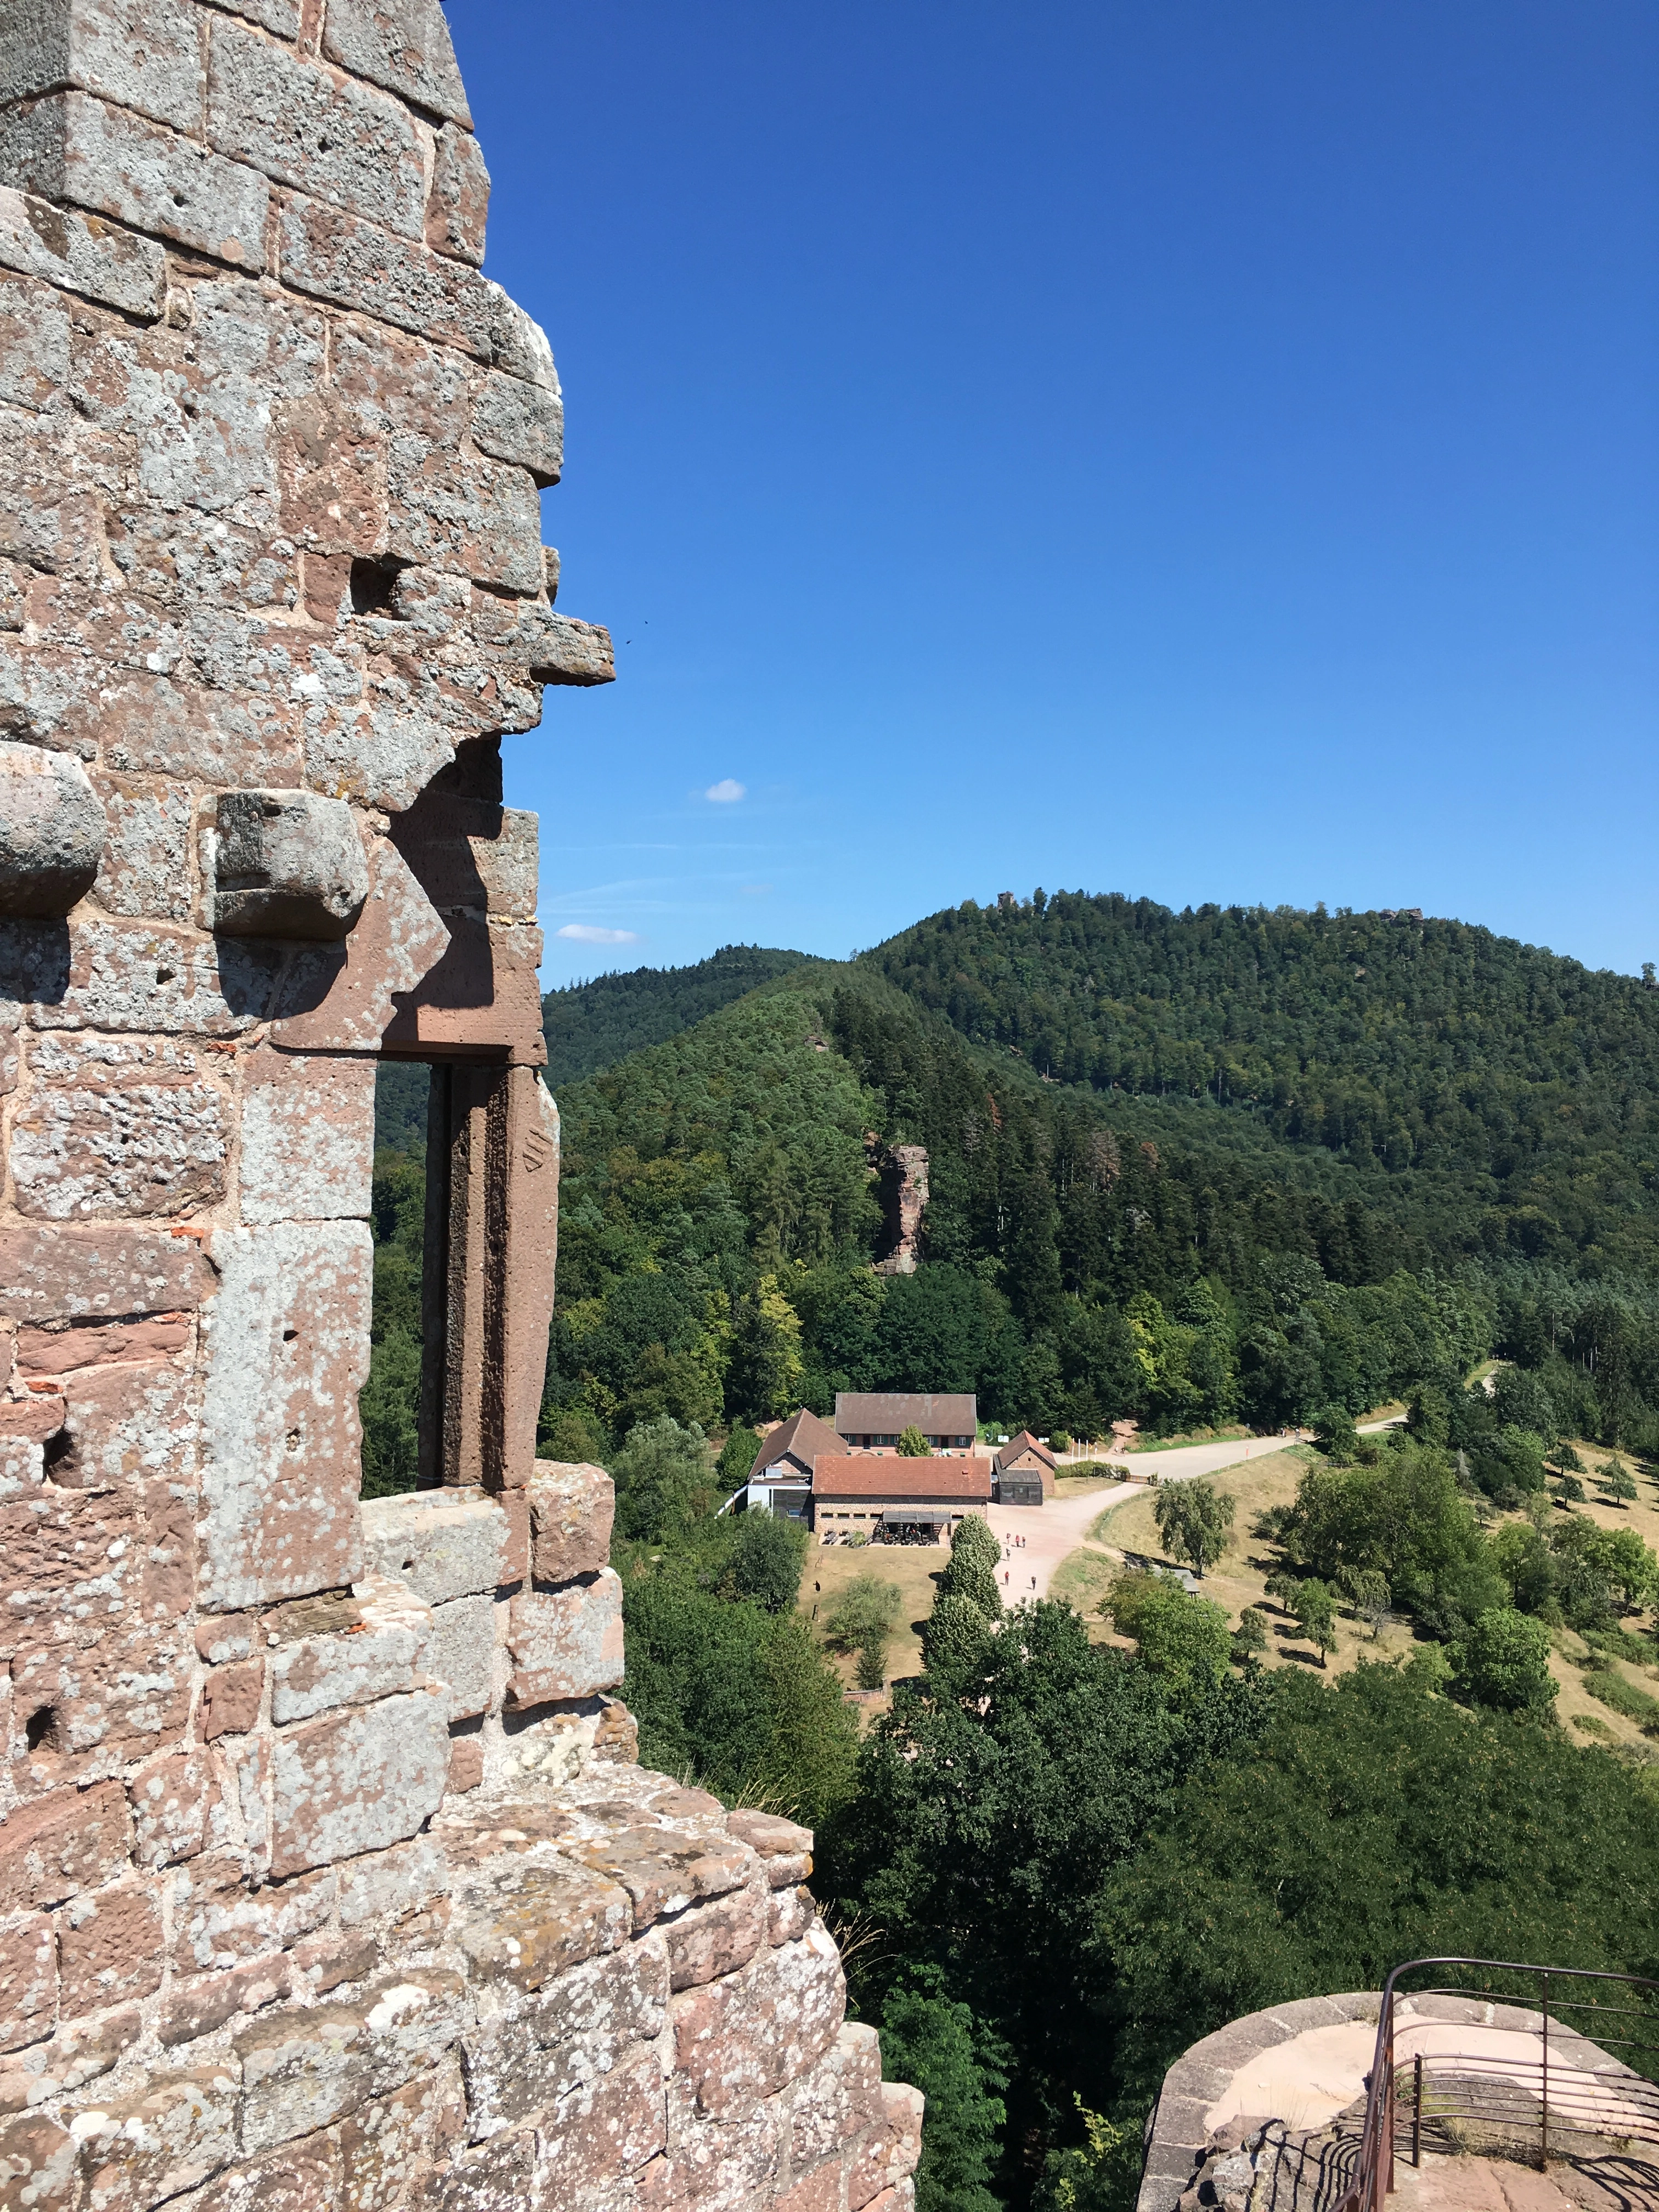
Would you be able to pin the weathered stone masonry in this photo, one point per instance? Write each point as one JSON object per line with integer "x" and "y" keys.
{"x": 326, "y": 1878}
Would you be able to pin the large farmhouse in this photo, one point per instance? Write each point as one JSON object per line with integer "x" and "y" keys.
{"x": 780, "y": 1480}
{"x": 881, "y": 1496}
{"x": 874, "y": 1421}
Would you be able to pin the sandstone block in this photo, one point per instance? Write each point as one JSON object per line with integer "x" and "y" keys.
{"x": 280, "y": 17}
{"x": 387, "y": 1885}
{"x": 568, "y": 1643}
{"x": 467, "y": 518}
{"x": 303, "y": 127}
{"x": 298, "y": 2176}
{"x": 146, "y": 867}
{"x": 445, "y": 1544}
{"x": 198, "y": 2008}
{"x": 287, "y": 863}
{"x": 230, "y": 1699}
{"x": 144, "y": 54}
{"x": 71, "y": 147}
{"x": 81, "y": 254}
{"x": 144, "y": 2149}
{"x": 521, "y": 422}
{"x": 220, "y": 1918}
{"x": 584, "y": 2027}
{"x": 66, "y": 1349}
{"x": 604, "y": 2128}
{"x": 357, "y": 1781}
{"x": 226, "y": 1636}
{"x": 77, "y": 2054}
{"x": 887, "y": 2157}
{"x": 572, "y": 1507}
{"x": 344, "y": 1000}
{"x": 170, "y": 1795}
{"x": 391, "y": 2144}
{"x": 129, "y": 1422}
{"x": 321, "y": 1963}
{"x": 499, "y": 2176}
{"x": 110, "y": 1947}
{"x": 381, "y": 1653}
{"x": 709, "y": 1940}
{"x": 459, "y": 204}
{"x": 820, "y": 2190}
{"x": 28, "y": 1980}
{"x": 745, "y": 2037}
{"x": 303, "y": 2069}
{"x": 154, "y": 981}
{"x": 287, "y": 1351}
{"x": 535, "y": 1922}
{"x": 62, "y": 1844}
{"x": 51, "y": 831}
{"x": 37, "y": 2166}
{"x": 559, "y": 649}
{"x": 724, "y": 2162}
{"x": 789, "y": 1915}
{"x": 785, "y": 1848}
{"x": 462, "y": 1654}
{"x": 665, "y": 1871}
{"x": 467, "y": 1765}
{"x": 334, "y": 256}
{"x": 117, "y": 1126}
{"x": 838, "y": 2099}
{"x": 407, "y": 50}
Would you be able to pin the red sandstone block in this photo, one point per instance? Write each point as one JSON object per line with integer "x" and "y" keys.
{"x": 409, "y": 53}
{"x": 819, "y": 2192}
{"x": 572, "y": 1507}
{"x": 323, "y": 1962}
{"x": 745, "y": 2036}
{"x": 63, "y": 1843}
{"x": 126, "y": 1422}
{"x": 459, "y": 208}
{"x": 338, "y": 257}
{"x": 307, "y": 1136}
{"x": 61, "y": 1351}
{"x": 790, "y": 1915}
{"x": 300, "y": 2177}
{"x": 117, "y": 1126}
{"x": 198, "y": 2008}
{"x": 390, "y": 2143}
{"x": 28, "y": 1981}
{"x": 604, "y": 2128}
{"x": 147, "y": 2150}
{"x": 110, "y": 1947}
{"x": 466, "y": 1764}
{"x": 230, "y": 1699}
{"x": 37, "y": 2167}
{"x": 171, "y": 1795}
{"x": 717, "y": 1938}
{"x": 567, "y": 1643}
{"x": 221, "y": 1918}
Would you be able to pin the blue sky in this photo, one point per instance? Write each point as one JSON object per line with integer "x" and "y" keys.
{"x": 1203, "y": 451}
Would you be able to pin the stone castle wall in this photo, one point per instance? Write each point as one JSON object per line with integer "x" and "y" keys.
{"x": 327, "y": 1877}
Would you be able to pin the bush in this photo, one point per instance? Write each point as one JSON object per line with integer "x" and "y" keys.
{"x": 767, "y": 1551}
{"x": 663, "y": 1481}
{"x": 940, "y": 2049}
{"x": 864, "y": 1614}
{"x": 1181, "y": 1637}
{"x": 870, "y": 1671}
{"x": 1335, "y": 1436}
{"x": 1059, "y": 1441}
{"x": 570, "y": 1435}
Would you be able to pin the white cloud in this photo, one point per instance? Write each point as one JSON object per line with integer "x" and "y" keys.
{"x": 585, "y": 933}
{"x": 726, "y": 791}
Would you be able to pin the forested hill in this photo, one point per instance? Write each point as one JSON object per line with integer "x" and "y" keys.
{"x": 593, "y": 1025}
{"x": 1391, "y": 1043}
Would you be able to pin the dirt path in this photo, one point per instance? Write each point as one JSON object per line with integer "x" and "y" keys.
{"x": 1061, "y": 1525}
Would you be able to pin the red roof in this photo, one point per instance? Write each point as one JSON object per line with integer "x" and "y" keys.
{"x": 1025, "y": 1442}
{"x": 802, "y": 1437}
{"x": 879, "y": 1475}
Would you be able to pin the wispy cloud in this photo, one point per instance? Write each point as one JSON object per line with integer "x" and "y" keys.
{"x": 585, "y": 932}
{"x": 726, "y": 791}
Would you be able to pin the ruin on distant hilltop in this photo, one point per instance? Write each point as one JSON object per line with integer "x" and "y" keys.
{"x": 328, "y": 1876}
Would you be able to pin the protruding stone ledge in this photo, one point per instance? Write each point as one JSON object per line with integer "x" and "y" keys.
{"x": 51, "y": 832}
{"x": 287, "y": 864}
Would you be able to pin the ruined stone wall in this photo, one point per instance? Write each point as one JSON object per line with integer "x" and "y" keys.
{"x": 326, "y": 1876}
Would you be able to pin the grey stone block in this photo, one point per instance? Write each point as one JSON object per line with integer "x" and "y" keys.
{"x": 38, "y": 240}
{"x": 72, "y": 147}
{"x": 445, "y": 1544}
{"x": 337, "y": 256}
{"x": 51, "y": 831}
{"x": 523, "y": 423}
{"x": 462, "y": 1653}
{"x": 405, "y": 47}
{"x": 143, "y": 54}
{"x": 459, "y": 208}
{"x": 280, "y": 17}
{"x": 295, "y": 121}
{"x": 287, "y": 863}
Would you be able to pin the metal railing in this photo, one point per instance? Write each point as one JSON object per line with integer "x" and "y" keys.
{"x": 1570, "y": 2100}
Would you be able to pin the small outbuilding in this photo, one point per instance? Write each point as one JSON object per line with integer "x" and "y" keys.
{"x": 1025, "y": 1471}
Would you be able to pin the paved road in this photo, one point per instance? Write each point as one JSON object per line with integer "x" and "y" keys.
{"x": 1058, "y": 1526}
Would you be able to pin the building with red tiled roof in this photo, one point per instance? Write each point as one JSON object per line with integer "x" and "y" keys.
{"x": 1025, "y": 1471}
{"x": 780, "y": 1480}
{"x": 883, "y": 1495}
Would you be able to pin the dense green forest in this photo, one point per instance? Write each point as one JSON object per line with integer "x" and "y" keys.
{"x": 1190, "y": 1169}
{"x": 593, "y": 1025}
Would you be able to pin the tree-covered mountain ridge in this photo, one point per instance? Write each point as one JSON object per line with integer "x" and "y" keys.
{"x": 1410, "y": 1043}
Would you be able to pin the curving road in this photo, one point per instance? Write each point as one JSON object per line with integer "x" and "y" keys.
{"x": 1060, "y": 1526}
